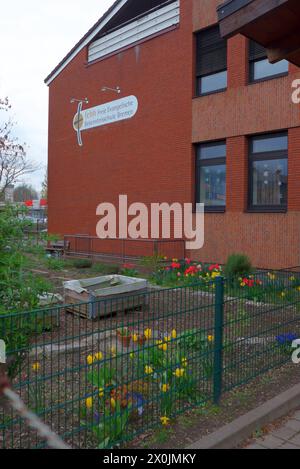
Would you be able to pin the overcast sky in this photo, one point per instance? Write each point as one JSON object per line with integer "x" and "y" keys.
{"x": 34, "y": 36}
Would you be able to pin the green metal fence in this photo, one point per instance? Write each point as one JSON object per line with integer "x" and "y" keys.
{"x": 146, "y": 357}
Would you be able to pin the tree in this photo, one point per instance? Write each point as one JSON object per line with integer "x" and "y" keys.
{"x": 13, "y": 161}
{"x": 44, "y": 191}
{"x": 25, "y": 192}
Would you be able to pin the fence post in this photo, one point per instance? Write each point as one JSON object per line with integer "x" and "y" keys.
{"x": 218, "y": 349}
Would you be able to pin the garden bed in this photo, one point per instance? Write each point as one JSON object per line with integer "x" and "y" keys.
{"x": 54, "y": 377}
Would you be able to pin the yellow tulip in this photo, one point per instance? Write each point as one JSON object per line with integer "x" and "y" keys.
{"x": 210, "y": 338}
{"x": 135, "y": 337}
{"x": 101, "y": 392}
{"x": 165, "y": 420}
{"x": 98, "y": 356}
{"x": 174, "y": 334}
{"x": 215, "y": 275}
{"x": 36, "y": 366}
{"x": 90, "y": 359}
{"x": 148, "y": 333}
{"x": 165, "y": 387}
{"x": 179, "y": 373}
{"x": 113, "y": 403}
{"x": 148, "y": 370}
{"x": 89, "y": 402}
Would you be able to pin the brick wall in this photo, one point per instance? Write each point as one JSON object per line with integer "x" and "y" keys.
{"x": 271, "y": 240}
{"x": 151, "y": 157}
{"x": 148, "y": 157}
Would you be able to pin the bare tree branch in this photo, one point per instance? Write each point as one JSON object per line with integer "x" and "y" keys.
{"x": 13, "y": 161}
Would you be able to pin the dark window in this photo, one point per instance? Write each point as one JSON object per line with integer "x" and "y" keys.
{"x": 211, "y": 175}
{"x": 268, "y": 165}
{"x": 260, "y": 67}
{"x": 211, "y": 66}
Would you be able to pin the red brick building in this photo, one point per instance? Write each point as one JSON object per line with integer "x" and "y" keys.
{"x": 215, "y": 124}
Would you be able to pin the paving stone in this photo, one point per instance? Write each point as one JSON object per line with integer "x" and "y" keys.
{"x": 285, "y": 433}
{"x": 293, "y": 424}
{"x": 255, "y": 446}
{"x": 271, "y": 442}
{"x": 297, "y": 415}
{"x": 295, "y": 440}
{"x": 288, "y": 446}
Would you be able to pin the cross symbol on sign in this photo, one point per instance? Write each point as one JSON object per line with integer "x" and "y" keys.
{"x": 78, "y": 123}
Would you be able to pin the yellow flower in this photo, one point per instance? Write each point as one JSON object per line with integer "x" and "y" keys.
{"x": 131, "y": 355}
{"x": 36, "y": 366}
{"x": 101, "y": 392}
{"x": 98, "y": 356}
{"x": 174, "y": 260}
{"x": 243, "y": 284}
{"x": 271, "y": 276}
{"x": 282, "y": 294}
{"x": 148, "y": 370}
{"x": 113, "y": 351}
{"x": 162, "y": 346}
{"x": 292, "y": 279}
{"x": 215, "y": 275}
{"x": 174, "y": 334}
{"x": 113, "y": 403}
{"x": 179, "y": 373}
{"x": 148, "y": 333}
{"x": 135, "y": 337}
{"x": 184, "y": 362}
{"x": 168, "y": 338}
{"x": 165, "y": 420}
{"x": 89, "y": 402}
{"x": 210, "y": 338}
{"x": 90, "y": 359}
{"x": 165, "y": 387}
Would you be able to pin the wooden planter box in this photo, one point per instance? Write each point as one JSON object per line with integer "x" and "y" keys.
{"x": 105, "y": 295}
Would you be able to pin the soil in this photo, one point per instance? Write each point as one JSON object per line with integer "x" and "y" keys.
{"x": 249, "y": 335}
{"x": 200, "y": 422}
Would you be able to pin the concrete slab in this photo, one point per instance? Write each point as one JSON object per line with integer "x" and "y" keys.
{"x": 233, "y": 434}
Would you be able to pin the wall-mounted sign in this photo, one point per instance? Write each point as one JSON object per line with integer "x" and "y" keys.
{"x": 108, "y": 113}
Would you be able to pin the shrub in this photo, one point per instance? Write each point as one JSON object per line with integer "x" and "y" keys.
{"x": 82, "y": 263}
{"x": 105, "y": 269}
{"x": 153, "y": 263}
{"x": 238, "y": 265}
{"x": 129, "y": 271}
{"x": 19, "y": 288}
